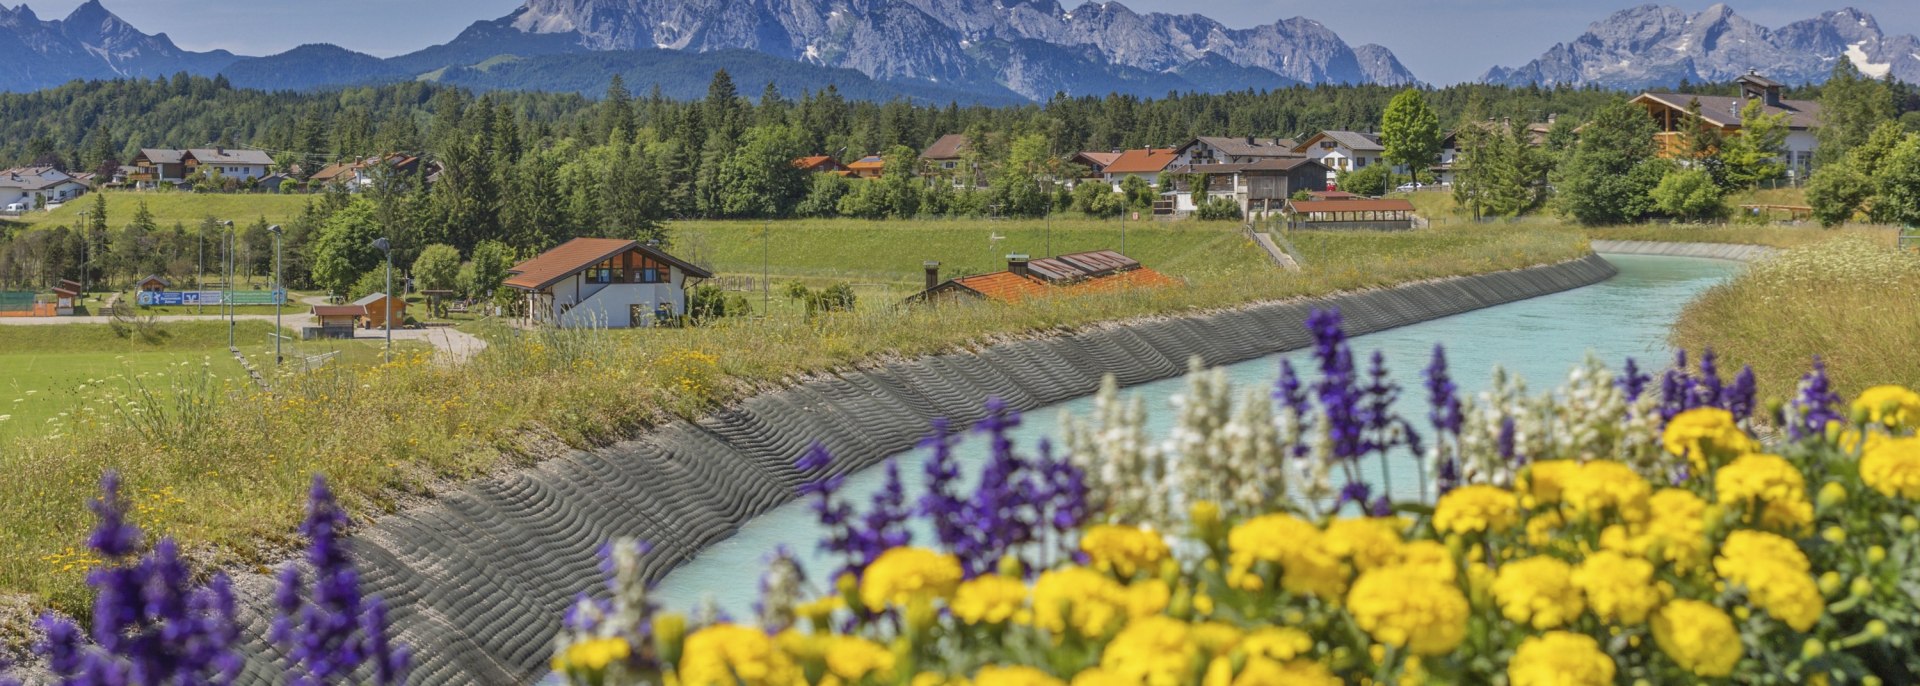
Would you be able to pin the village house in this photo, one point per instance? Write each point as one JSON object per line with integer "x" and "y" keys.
{"x": 869, "y": 167}
{"x": 153, "y": 283}
{"x": 1024, "y": 278}
{"x": 1259, "y": 188}
{"x": 1146, "y": 163}
{"x": 155, "y": 166}
{"x": 1094, "y": 162}
{"x": 228, "y": 163}
{"x": 27, "y": 188}
{"x": 381, "y": 311}
{"x": 604, "y": 282}
{"x": 1232, "y": 150}
{"x": 819, "y": 164}
{"x": 359, "y": 175}
{"x": 947, "y": 158}
{"x": 1344, "y": 151}
{"x": 1670, "y": 115}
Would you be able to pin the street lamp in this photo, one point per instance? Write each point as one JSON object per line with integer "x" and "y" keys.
{"x": 226, "y": 295}
{"x": 279, "y": 297}
{"x": 386, "y": 247}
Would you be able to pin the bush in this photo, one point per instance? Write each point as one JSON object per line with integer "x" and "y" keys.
{"x": 1690, "y": 194}
{"x": 1217, "y": 209}
{"x": 824, "y": 192}
{"x": 1836, "y": 193}
{"x": 708, "y": 302}
{"x": 1097, "y": 199}
{"x": 1371, "y": 180}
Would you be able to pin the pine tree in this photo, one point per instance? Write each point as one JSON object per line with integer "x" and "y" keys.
{"x": 616, "y": 111}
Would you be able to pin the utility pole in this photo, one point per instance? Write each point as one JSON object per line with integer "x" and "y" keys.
{"x": 385, "y": 246}
{"x": 279, "y": 297}
{"x": 766, "y": 260}
{"x": 226, "y": 293}
{"x": 86, "y": 251}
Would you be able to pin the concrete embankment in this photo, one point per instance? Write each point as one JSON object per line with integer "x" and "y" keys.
{"x": 1717, "y": 251}
{"x": 479, "y": 579}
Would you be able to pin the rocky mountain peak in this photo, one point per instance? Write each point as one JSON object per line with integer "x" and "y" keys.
{"x": 1650, "y": 45}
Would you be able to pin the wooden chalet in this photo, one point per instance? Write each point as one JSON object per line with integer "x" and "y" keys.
{"x": 605, "y": 282}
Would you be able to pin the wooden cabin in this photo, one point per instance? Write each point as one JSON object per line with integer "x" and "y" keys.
{"x": 382, "y": 312}
{"x": 337, "y": 321}
{"x": 153, "y": 283}
{"x": 66, "y": 297}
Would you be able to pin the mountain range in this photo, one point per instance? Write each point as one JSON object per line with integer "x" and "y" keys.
{"x": 989, "y": 51}
{"x": 972, "y": 51}
{"x": 1651, "y": 46}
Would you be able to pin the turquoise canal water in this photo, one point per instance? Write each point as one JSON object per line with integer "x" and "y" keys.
{"x": 1540, "y": 339}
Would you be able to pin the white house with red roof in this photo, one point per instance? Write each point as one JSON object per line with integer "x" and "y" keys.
{"x": 604, "y": 282}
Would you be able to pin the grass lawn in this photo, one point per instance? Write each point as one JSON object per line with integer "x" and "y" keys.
{"x": 45, "y": 364}
{"x": 177, "y": 206}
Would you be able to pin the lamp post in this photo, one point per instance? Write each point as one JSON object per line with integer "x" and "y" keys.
{"x": 386, "y": 248}
{"x": 226, "y": 294}
{"x": 279, "y": 297}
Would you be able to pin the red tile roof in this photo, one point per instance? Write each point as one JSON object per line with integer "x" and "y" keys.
{"x": 1148, "y": 161}
{"x": 577, "y": 254}
{"x": 1003, "y": 286}
{"x": 948, "y": 147}
{"x": 870, "y": 162}
{"x": 816, "y": 161}
{"x": 1137, "y": 278}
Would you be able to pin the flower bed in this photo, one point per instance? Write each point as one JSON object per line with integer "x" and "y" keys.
{"x": 1624, "y": 529}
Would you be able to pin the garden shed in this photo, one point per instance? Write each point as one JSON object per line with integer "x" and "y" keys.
{"x": 382, "y": 311}
{"x": 1379, "y": 215}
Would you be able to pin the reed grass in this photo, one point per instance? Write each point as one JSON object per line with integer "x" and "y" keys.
{"x": 1851, "y": 300}
{"x": 386, "y": 435}
{"x": 1771, "y": 236}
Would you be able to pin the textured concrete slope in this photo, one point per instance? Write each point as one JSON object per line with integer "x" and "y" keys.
{"x": 1717, "y": 251}
{"x": 479, "y": 579}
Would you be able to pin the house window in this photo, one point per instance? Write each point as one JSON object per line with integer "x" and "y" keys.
{"x": 1360, "y": 163}
{"x": 1328, "y": 145}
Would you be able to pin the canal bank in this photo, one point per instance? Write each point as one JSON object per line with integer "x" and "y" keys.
{"x": 478, "y": 578}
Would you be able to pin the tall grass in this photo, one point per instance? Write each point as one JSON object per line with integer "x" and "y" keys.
{"x": 386, "y": 434}
{"x": 1851, "y": 300}
{"x": 1772, "y": 236}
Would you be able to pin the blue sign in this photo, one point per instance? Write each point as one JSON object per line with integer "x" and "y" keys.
{"x": 202, "y": 298}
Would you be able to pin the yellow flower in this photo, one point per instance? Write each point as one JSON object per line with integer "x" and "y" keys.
{"x": 1704, "y": 436}
{"x": 989, "y": 599}
{"x": 731, "y": 655}
{"x": 1676, "y": 531}
{"x": 1771, "y": 488}
{"x": 1410, "y": 607}
{"x": 1261, "y": 671}
{"x": 1559, "y": 658}
{"x": 1618, "y": 588}
{"x": 1776, "y": 575}
{"x": 853, "y": 658}
{"x": 1216, "y": 638}
{"x": 1157, "y": 651}
{"x": 1307, "y": 567}
{"x": 1123, "y": 550}
{"x": 1607, "y": 486}
{"x": 1368, "y": 541}
{"x": 1891, "y": 406}
{"x": 1147, "y": 597}
{"x": 1476, "y": 509}
{"x": 592, "y": 656}
{"x": 1538, "y": 591}
{"x": 1544, "y": 481}
{"x": 1015, "y": 676}
{"x": 1430, "y": 558}
{"x": 1893, "y": 468}
{"x": 902, "y": 575}
{"x": 1078, "y": 598}
{"x": 1544, "y": 528}
{"x": 1698, "y": 636}
{"x": 1278, "y": 643}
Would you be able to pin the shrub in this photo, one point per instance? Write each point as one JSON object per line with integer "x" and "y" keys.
{"x": 1690, "y": 194}
{"x": 708, "y": 302}
{"x": 1371, "y": 180}
{"x": 1218, "y": 209}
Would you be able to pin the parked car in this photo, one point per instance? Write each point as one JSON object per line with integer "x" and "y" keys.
{"x": 1410, "y": 187}
{"x": 17, "y": 208}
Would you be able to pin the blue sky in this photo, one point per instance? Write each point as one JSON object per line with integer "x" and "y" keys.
{"x": 1442, "y": 41}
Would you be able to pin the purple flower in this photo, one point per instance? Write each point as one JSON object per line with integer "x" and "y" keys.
{"x": 1066, "y": 490}
{"x": 886, "y": 520}
{"x": 150, "y": 626}
{"x": 1449, "y": 476}
{"x": 1710, "y": 392}
{"x": 815, "y": 459}
{"x": 1632, "y": 381}
{"x": 390, "y": 662}
{"x": 1815, "y": 405}
{"x": 1505, "y": 440}
{"x": 324, "y": 626}
{"x": 1339, "y": 399}
{"x": 1443, "y": 395}
{"x": 1355, "y": 492}
{"x": 1738, "y": 398}
{"x": 941, "y": 505}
